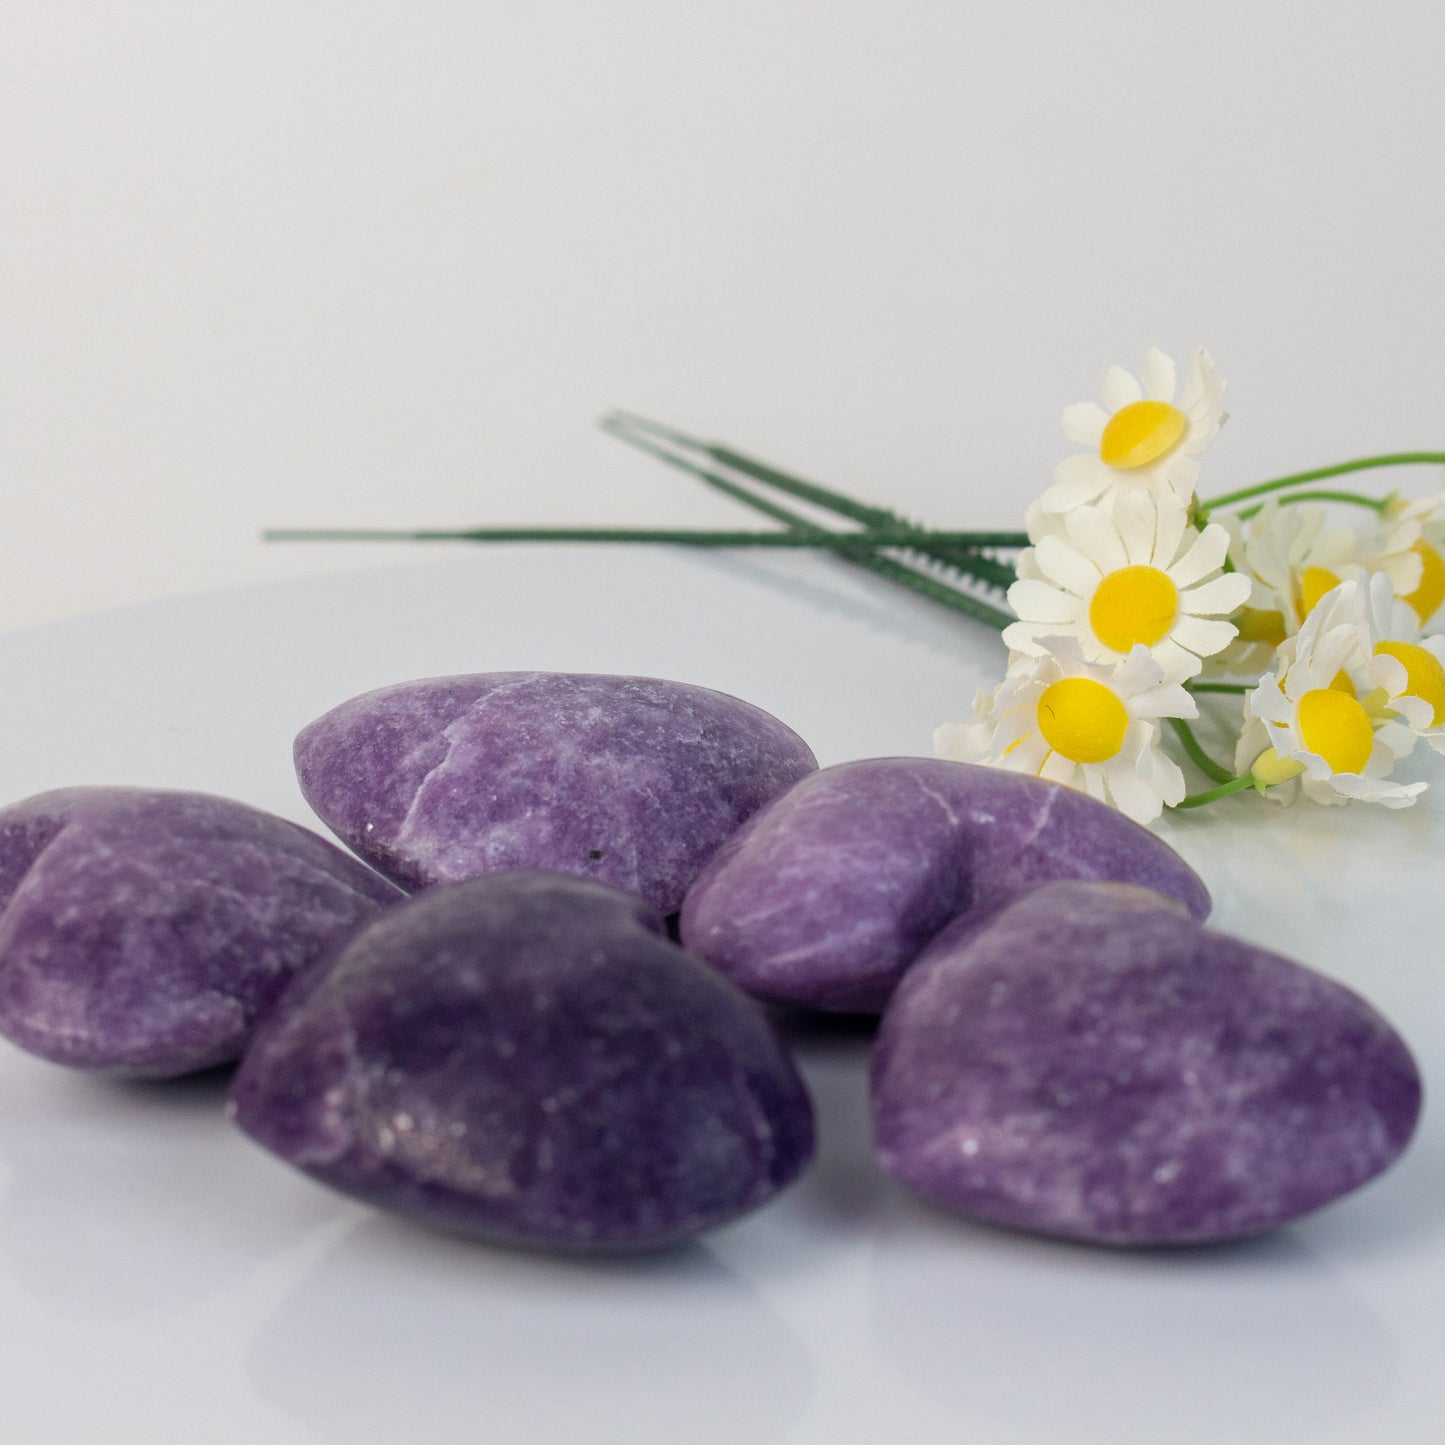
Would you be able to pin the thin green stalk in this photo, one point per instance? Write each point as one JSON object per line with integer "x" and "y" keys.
{"x": 1322, "y": 494}
{"x": 864, "y": 541}
{"x": 1198, "y": 800}
{"x": 628, "y": 426}
{"x": 885, "y": 567}
{"x": 1233, "y": 687}
{"x": 1319, "y": 474}
{"x": 1201, "y": 760}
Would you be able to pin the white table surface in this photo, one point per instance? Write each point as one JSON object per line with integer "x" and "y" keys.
{"x": 162, "y": 1279}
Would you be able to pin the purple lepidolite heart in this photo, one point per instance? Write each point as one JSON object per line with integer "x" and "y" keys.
{"x": 528, "y": 1058}
{"x": 144, "y": 932}
{"x": 1095, "y": 1064}
{"x": 629, "y": 781}
{"x": 827, "y": 895}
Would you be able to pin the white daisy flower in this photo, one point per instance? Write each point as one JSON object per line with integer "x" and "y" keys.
{"x": 1091, "y": 728}
{"x": 1291, "y": 560}
{"x": 1142, "y": 576}
{"x": 1140, "y": 437}
{"x": 1409, "y": 551}
{"x": 1400, "y": 675}
{"x": 1308, "y": 730}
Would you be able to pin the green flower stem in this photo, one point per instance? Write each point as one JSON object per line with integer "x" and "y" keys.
{"x": 1321, "y": 494}
{"x": 865, "y": 541}
{"x": 1201, "y": 760}
{"x": 1198, "y": 800}
{"x": 1319, "y": 474}
{"x": 629, "y": 427}
{"x": 884, "y": 566}
{"x": 1232, "y": 687}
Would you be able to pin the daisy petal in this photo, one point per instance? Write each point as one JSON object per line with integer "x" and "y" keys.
{"x": 1206, "y": 554}
{"x": 1158, "y": 375}
{"x": 1066, "y": 566}
{"x": 1038, "y": 602}
{"x": 1220, "y": 596}
{"x": 1077, "y": 480}
{"x": 1092, "y": 532}
{"x": 1120, "y": 389}
{"x": 1204, "y": 636}
{"x": 1136, "y": 520}
{"x": 1084, "y": 424}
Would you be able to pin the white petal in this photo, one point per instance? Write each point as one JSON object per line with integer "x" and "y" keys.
{"x": 1201, "y": 635}
{"x": 1158, "y": 375}
{"x": 1024, "y": 637}
{"x": 1077, "y": 480}
{"x": 1171, "y": 523}
{"x": 1221, "y": 596}
{"x": 1096, "y": 536}
{"x": 1135, "y": 519}
{"x": 1058, "y": 769}
{"x": 1067, "y": 567}
{"x": 1119, "y": 389}
{"x": 1206, "y": 554}
{"x": 1166, "y": 700}
{"x": 1084, "y": 424}
{"x": 1178, "y": 662}
{"x": 1132, "y": 795}
{"x": 1038, "y": 602}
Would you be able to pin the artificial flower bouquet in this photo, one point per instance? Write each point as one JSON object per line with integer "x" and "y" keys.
{"x": 1132, "y": 600}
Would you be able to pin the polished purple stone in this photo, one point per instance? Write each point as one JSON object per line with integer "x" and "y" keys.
{"x": 1095, "y": 1064}
{"x": 528, "y": 1058}
{"x": 629, "y": 781}
{"x": 143, "y": 932}
{"x": 827, "y": 895}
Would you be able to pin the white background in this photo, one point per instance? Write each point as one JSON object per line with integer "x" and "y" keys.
{"x": 297, "y": 262}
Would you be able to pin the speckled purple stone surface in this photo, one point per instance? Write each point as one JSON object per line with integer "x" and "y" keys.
{"x": 1094, "y": 1064}
{"x": 528, "y": 1058}
{"x": 144, "y": 932}
{"x": 630, "y": 781}
{"x": 828, "y": 894}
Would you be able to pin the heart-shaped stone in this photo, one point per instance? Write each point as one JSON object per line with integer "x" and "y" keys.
{"x": 144, "y": 932}
{"x": 528, "y": 1058}
{"x": 827, "y": 895}
{"x": 1093, "y": 1063}
{"x": 630, "y": 781}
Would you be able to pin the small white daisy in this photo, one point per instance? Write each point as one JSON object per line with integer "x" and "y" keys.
{"x": 1308, "y": 730}
{"x": 1141, "y": 576}
{"x": 1140, "y": 437}
{"x": 1409, "y": 551}
{"x": 1291, "y": 560}
{"x": 1092, "y": 728}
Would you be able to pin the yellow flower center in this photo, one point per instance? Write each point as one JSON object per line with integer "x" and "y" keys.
{"x": 1428, "y": 596}
{"x": 1141, "y": 433}
{"x": 1314, "y": 582}
{"x": 1337, "y": 728}
{"x": 1424, "y": 677}
{"x": 1082, "y": 719}
{"x": 1342, "y": 682}
{"x": 1134, "y": 604}
{"x": 1259, "y": 626}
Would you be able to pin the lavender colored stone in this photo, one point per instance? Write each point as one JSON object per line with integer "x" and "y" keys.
{"x": 826, "y": 897}
{"x": 528, "y": 1058}
{"x": 627, "y": 780}
{"x": 1095, "y": 1064}
{"x": 143, "y": 933}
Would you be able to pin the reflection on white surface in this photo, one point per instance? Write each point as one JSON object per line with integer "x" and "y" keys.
{"x": 1259, "y": 1340}
{"x": 395, "y": 1325}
